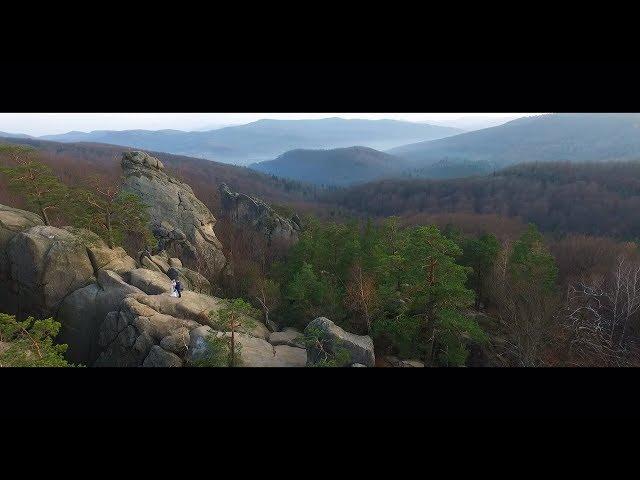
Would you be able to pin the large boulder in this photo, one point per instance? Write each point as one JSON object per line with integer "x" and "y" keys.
{"x": 129, "y": 333}
{"x": 190, "y": 279}
{"x": 256, "y": 215}
{"x": 101, "y": 256}
{"x": 46, "y": 264}
{"x": 12, "y": 222}
{"x": 198, "y": 308}
{"x": 149, "y": 281}
{"x": 254, "y": 352}
{"x": 159, "y": 357}
{"x": 178, "y": 218}
{"x": 360, "y": 347}
{"x": 84, "y": 310}
{"x": 288, "y": 336}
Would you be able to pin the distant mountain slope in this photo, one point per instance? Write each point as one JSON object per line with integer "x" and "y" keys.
{"x": 340, "y": 166}
{"x": 266, "y": 139}
{"x": 553, "y": 137}
{"x": 476, "y": 123}
{"x": 14, "y": 135}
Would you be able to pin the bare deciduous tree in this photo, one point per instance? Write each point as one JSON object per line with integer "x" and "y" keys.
{"x": 361, "y": 292}
{"x": 598, "y": 314}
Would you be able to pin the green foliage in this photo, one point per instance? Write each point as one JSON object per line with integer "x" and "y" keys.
{"x": 15, "y": 150}
{"x": 36, "y": 183}
{"x": 30, "y": 343}
{"x": 531, "y": 262}
{"x": 310, "y": 295}
{"x": 105, "y": 210}
{"x": 526, "y": 296}
{"x": 330, "y": 353}
{"x": 113, "y": 215}
{"x": 455, "y": 330}
{"x": 283, "y": 210}
{"x": 480, "y": 255}
{"x": 235, "y": 315}
{"x": 413, "y": 271}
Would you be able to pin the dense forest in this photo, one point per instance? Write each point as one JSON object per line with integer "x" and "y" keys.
{"x": 535, "y": 265}
{"x": 559, "y": 197}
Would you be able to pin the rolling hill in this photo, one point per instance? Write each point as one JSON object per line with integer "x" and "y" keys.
{"x": 337, "y": 167}
{"x": 575, "y": 137}
{"x": 266, "y": 139}
{"x": 592, "y": 198}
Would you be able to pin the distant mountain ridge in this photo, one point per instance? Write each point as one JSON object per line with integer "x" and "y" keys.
{"x": 14, "y": 135}
{"x": 266, "y": 139}
{"x": 337, "y": 167}
{"x": 575, "y": 137}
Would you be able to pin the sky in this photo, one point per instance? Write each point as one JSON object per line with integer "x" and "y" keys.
{"x": 37, "y": 124}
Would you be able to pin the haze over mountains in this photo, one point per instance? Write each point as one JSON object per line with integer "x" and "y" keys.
{"x": 266, "y": 139}
{"x": 475, "y": 123}
{"x": 553, "y": 137}
{"x": 338, "y": 152}
{"x": 575, "y": 137}
{"x": 340, "y": 166}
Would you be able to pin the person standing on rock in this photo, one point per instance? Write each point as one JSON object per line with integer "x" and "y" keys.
{"x": 178, "y": 287}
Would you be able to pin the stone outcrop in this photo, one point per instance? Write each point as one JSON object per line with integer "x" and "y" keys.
{"x": 83, "y": 311}
{"x": 288, "y": 336}
{"x": 360, "y": 347}
{"x": 143, "y": 321}
{"x": 178, "y": 219}
{"x": 395, "y": 362}
{"x": 116, "y": 311}
{"x": 12, "y": 222}
{"x": 255, "y": 352}
{"x": 256, "y": 215}
{"x": 45, "y": 265}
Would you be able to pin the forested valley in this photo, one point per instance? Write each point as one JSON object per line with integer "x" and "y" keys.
{"x": 534, "y": 265}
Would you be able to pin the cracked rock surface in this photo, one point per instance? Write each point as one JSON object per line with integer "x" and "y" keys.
{"x": 178, "y": 218}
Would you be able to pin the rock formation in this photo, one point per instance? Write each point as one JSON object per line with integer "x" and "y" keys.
{"x": 178, "y": 219}
{"x": 258, "y": 216}
{"x": 116, "y": 311}
{"x": 12, "y": 222}
{"x": 360, "y": 347}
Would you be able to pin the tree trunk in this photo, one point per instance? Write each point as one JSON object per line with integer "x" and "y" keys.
{"x": 233, "y": 344}
{"x": 429, "y": 340}
{"x": 44, "y": 215}
{"x": 109, "y": 238}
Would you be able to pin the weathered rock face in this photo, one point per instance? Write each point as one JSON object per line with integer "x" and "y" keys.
{"x": 143, "y": 322}
{"x": 102, "y": 257}
{"x": 83, "y": 311}
{"x": 173, "y": 268}
{"x": 149, "y": 281}
{"x": 12, "y": 222}
{"x": 360, "y": 347}
{"x": 254, "y": 352}
{"x": 46, "y": 264}
{"x": 288, "y": 336}
{"x": 395, "y": 362}
{"x": 178, "y": 218}
{"x": 258, "y": 216}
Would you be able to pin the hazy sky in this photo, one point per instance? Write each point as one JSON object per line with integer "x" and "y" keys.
{"x": 51, "y": 123}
